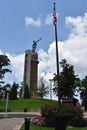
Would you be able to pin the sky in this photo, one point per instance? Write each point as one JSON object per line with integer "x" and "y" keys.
{"x": 22, "y": 21}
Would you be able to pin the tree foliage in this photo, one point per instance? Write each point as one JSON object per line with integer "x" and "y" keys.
{"x": 4, "y": 62}
{"x": 42, "y": 89}
{"x": 83, "y": 93}
{"x": 68, "y": 81}
{"x": 13, "y": 91}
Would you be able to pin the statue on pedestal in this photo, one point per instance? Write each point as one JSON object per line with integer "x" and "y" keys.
{"x": 35, "y": 45}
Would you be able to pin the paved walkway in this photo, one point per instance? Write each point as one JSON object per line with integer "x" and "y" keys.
{"x": 11, "y": 123}
{"x": 14, "y": 123}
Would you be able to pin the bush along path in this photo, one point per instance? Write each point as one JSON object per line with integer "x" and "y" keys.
{"x": 74, "y": 115}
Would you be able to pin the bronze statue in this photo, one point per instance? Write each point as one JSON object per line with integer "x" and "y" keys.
{"x": 35, "y": 45}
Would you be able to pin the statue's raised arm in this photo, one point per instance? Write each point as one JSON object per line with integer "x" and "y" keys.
{"x": 35, "y": 45}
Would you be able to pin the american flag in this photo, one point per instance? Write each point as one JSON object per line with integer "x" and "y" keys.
{"x": 55, "y": 18}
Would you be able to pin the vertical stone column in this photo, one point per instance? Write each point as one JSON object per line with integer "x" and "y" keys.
{"x": 34, "y": 73}
{"x": 31, "y": 71}
{"x": 27, "y": 67}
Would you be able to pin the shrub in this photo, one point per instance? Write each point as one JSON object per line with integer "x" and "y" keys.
{"x": 82, "y": 122}
{"x": 72, "y": 112}
{"x": 38, "y": 120}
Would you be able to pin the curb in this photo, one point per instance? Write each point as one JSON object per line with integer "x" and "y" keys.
{"x": 18, "y": 126}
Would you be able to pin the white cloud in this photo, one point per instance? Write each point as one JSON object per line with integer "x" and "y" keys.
{"x": 31, "y": 21}
{"x": 49, "y": 19}
{"x": 78, "y": 25}
{"x": 17, "y": 63}
{"x": 73, "y": 49}
{"x": 76, "y": 44}
{"x": 1, "y": 53}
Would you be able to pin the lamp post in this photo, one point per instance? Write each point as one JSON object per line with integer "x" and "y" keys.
{"x": 57, "y": 56}
{"x": 7, "y": 97}
{"x": 22, "y": 85}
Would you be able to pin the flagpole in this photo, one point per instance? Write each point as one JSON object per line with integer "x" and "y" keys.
{"x": 57, "y": 56}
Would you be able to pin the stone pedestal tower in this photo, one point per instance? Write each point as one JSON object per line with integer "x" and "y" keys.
{"x": 31, "y": 71}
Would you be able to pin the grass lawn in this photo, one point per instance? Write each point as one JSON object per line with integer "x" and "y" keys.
{"x": 20, "y": 104}
{"x": 36, "y": 127}
{"x": 31, "y": 104}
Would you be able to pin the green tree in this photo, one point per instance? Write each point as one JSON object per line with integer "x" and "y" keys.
{"x": 26, "y": 92}
{"x": 68, "y": 81}
{"x": 13, "y": 91}
{"x": 4, "y": 62}
{"x": 42, "y": 89}
{"x": 83, "y": 92}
